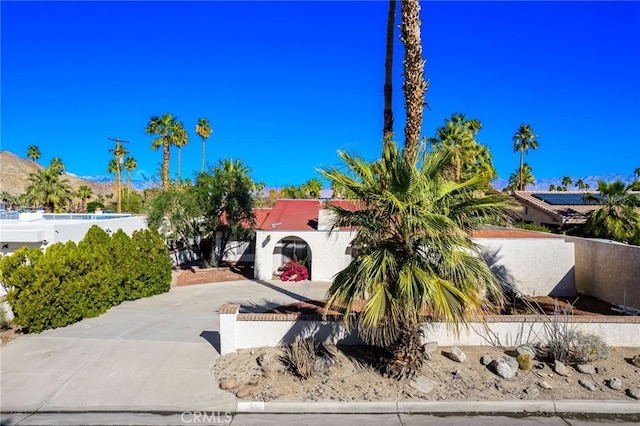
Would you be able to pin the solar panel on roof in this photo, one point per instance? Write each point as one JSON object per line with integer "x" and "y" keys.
{"x": 562, "y": 198}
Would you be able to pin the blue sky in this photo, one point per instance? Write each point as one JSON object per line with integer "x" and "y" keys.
{"x": 287, "y": 84}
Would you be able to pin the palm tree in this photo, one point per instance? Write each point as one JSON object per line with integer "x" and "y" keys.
{"x": 387, "y": 130}
{"x": 130, "y": 164}
{"x": 119, "y": 153}
{"x": 313, "y": 187}
{"x": 48, "y": 190}
{"x": 113, "y": 168}
{"x": 33, "y": 153}
{"x": 458, "y": 135}
{"x": 523, "y": 140}
{"x": 414, "y": 85}
{"x": 57, "y": 165}
{"x": 581, "y": 185}
{"x": 416, "y": 254}
{"x": 552, "y": 187}
{"x": 618, "y": 218}
{"x": 163, "y": 127}
{"x": 179, "y": 138}
{"x": 84, "y": 193}
{"x": 516, "y": 181}
{"x": 566, "y": 181}
{"x": 204, "y": 131}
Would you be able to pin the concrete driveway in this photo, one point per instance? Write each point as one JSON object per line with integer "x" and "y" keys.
{"x": 152, "y": 354}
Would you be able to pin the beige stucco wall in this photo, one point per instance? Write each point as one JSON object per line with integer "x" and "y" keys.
{"x": 607, "y": 270}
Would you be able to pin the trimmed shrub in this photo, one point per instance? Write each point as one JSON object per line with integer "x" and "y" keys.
{"x": 70, "y": 282}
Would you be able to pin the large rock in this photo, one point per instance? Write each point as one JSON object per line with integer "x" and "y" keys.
{"x": 561, "y": 369}
{"x": 586, "y": 368}
{"x": 486, "y": 359}
{"x": 614, "y": 383}
{"x": 244, "y": 391}
{"x": 457, "y": 355}
{"x": 526, "y": 350}
{"x": 634, "y": 393}
{"x": 422, "y": 384}
{"x": 587, "y": 384}
{"x": 635, "y": 361}
{"x": 504, "y": 368}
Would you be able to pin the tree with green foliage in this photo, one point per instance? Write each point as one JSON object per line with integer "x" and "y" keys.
{"x": 33, "y": 153}
{"x": 635, "y": 185}
{"x": 581, "y": 185}
{"x": 313, "y": 188}
{"x": 164, "y": 127}
{"x": 84, "y": 193}
{"x": 523, "y": 141}
{"x": 57, "y": 165}
{"x": 416, "y": 257}
{"x": 618, "y": 218}
{"x": 470, "y": 158}
{"x": 521, "y": 178}
{"x": 179, "y": 138}
{"x": 48, "y": 190}
{"x": 130, "y": 164}
{"x": 204, "y": 131}
{"x": 552, "y": 187}
{"x": 566, "y": 182}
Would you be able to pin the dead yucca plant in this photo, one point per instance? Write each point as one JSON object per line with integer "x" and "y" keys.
{"x": 300, "y": 356}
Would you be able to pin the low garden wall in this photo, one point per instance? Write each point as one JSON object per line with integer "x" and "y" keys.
{"x": 251, "y": 330}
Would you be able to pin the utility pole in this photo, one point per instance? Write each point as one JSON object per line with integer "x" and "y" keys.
{"x": 119, "y": 152}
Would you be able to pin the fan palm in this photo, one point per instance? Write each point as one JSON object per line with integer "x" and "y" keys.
{"x": 113, "y": 168}
{"x": 57, "y": 165}
{"x": 523, "y": 140}
{"x": 84, "y": 193}
{"x": 618, "y": 218}
{"x": 48, "y": 190}
{"x": 415, "y": 254}
{"x": 179, "y": 138}
{"x": 204, "y": 131}
{"x": 163, "y": 127}
{"x": 130, "y": 164}
{"x": 33, "y": 153}
{"x": 523, "y": 177}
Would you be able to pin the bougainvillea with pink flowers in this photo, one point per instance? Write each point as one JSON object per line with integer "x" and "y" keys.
{"x": 294, "y": 271}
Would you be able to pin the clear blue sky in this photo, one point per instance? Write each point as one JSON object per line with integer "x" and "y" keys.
{"x": 287, "y": 84}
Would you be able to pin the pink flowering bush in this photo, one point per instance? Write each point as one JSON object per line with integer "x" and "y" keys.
{"x": 294, "y": 271}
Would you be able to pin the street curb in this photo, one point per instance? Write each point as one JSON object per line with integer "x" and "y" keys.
{"x": 549, "y": 407}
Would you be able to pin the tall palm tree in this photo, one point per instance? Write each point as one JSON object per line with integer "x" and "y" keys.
{"x": 618, "y": 218}
{"x": 119, "y": 152}
{"x": 566, "y": 181}
{"x": 581, "y": 185}
{"x": 387, "y": 130}
{"x": 113, "y": 168}
{"x": 414, "y": 85}
{"x": 179, "y": 138}
{"x": 313, "y": 187}
{"x": 57, "y": 165}
{"x": 416, "y": 254}
{"x": 33, "y": 153}
{"x": 204, "y": 131}
{"x": 163, "y": 127}
{"x": 523, "y": 140}
{"x": 130, "y": 164}
{"x": 523, "y": 177}
{"x": 84, "y": 193}
{"x": 48, "y": 190}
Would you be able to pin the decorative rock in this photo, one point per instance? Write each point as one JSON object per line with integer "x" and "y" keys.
{"x": 532, "y": 392}
{"x": 614, "y": 383}
{"x": 544, "y": 385}
{"x": 322, "y": 363}
{"x": 227, "y": 384}
{"x": 586, "y": 368}
{"x": 503, "y": 368}
{"x": 244, "y": 392}
{"x": 422, "y": 384}
{"x": 526, "y": 350}
{"x": 601, "y": 370}
{"x": 635, "y": 361}
{"x": 260, "y": 359}
{"x": 513, "y": 363}
{"x": 561, "y": 369}
{"x": 634, "y": 393}
{"x": 587, "y": 384}
{"x": 456, "y": 354}
{"x": 486, "y": 359}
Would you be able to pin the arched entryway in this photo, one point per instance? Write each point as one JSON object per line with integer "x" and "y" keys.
{"x": 291, "y": 248}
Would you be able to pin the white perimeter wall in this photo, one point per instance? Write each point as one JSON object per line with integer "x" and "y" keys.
{"x": 534, "y": 266}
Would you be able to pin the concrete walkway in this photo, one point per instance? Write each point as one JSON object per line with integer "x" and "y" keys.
{"x": 152, "y": 354}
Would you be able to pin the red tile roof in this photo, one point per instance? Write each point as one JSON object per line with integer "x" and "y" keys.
{"x": 294, "y": 215}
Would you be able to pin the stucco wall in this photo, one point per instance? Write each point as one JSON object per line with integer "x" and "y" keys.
{"x": 608, "y": 270}
{"x": 533, "y": 266}
{"x": 328, "y": 253}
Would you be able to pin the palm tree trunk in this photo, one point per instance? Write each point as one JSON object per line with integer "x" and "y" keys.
{"x": 414, "y": 84}
{"x": 165, "y": 165}
{"x": 521, "y": 183}
{"x": 202, "y": 167}
{"x": 128, "y": 182}
{"x": 179, "y": 184}
{"x": 387, "y": 130}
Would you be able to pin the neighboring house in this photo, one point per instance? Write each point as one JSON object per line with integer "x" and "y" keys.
{"x": 298, "y": 229}
{"x": 41, "y": 230}
{"x": 553, "y": 209}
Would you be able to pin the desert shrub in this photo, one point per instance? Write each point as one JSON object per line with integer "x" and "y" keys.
{"x": 4, "y": 322}
{"x": 524, "y": 361}
{"x": 69, "y": 282}
{"x": 588, "y": 348}
{"x": 294, "y": 271}
{"x": 93, "y": 205}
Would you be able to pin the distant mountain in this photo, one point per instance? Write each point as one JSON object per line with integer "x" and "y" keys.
{"x": 138, "y": 185}
{"x": 15, "y": 171}
{"x": 543, "y": 184}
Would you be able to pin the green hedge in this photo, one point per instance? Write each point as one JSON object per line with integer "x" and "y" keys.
{"x": 69, "y": 282}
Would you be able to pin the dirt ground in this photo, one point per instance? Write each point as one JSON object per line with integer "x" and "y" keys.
{"x": 348, "y": 380}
